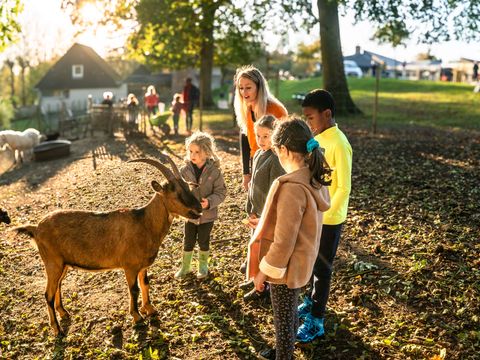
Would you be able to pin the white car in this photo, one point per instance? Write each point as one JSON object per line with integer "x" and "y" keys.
{"x": 351, "y": 69}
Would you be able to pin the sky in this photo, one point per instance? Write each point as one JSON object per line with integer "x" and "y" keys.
{"x": 48, "y": 25}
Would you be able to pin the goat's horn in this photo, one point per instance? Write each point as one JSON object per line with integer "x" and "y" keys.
{"x": 165, "y": 171}
{"x": 174, "y": 166}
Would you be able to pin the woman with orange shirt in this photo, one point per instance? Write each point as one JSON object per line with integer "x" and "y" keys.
{"x": 252, "y": 101}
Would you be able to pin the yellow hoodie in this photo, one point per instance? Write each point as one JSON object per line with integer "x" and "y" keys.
{"x": 338, "y": 154}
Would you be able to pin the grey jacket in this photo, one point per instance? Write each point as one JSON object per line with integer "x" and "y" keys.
{"x": 266, "y": 168}
{"x": 211, "y": 187}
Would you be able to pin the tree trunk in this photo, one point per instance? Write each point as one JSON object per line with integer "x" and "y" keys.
{"x": 334, "y": 79}
{"x": 23, "y": 67}
{"x": 11, "y": 64}
{"x": 206, "y": 55}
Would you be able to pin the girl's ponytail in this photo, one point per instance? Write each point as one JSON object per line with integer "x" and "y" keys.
{"x": 297, "y": 137}
{"x": 319, "y": 167}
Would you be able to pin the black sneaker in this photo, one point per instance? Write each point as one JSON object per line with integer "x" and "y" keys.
{"x": 246, "y": 285}
{"x": 243, "y": 268}
{"x": 255, "y": 295}
{"x": 267, "y": 354}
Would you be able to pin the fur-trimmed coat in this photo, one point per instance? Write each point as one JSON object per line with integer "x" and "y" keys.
{"x": 285, "y": 243}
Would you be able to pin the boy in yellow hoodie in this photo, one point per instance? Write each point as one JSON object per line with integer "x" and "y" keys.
{"x": 319, "y": 111}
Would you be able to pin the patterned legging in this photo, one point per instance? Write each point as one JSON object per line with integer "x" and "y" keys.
{"x": 285, "y": 319}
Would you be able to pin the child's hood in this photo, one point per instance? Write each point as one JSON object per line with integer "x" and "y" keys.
{"x": 302, "y": 176}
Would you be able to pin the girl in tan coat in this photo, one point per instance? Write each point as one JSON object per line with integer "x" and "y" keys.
{"x": 284, "y": 245}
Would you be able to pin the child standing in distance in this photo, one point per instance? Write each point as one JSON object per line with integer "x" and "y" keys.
{"x": 132, "y": 107}
{"x": 265, "y": 169}
{"x": 285, "y": 243}
{"x": 202, "y": 169}
{"x": 319, "y": 110}
{"x": 176, "y": 108}
{"x": 151, "y": 101}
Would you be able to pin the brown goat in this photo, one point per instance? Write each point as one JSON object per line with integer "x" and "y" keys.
{"x": 126, "y": 239}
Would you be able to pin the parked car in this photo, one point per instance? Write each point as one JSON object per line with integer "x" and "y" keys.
{"x": 351, "y": 69}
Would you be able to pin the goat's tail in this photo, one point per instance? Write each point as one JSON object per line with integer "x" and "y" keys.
{"x": 26, "y": 229}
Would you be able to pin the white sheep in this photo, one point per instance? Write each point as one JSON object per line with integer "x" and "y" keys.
{"x": 21, "y": 143}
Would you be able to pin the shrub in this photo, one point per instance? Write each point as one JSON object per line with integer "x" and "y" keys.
{"x": 6, "y": 113}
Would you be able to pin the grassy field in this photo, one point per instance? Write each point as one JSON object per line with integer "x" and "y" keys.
{"x": 423, "y": 103}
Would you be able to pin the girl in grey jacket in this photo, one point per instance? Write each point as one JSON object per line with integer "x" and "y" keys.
{"x": 203, "y": 173}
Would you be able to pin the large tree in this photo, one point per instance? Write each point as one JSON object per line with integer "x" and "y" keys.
{"x": 9, "y": 26}
{"x": 396, "y": 21}
{"x": 185, "y": 33}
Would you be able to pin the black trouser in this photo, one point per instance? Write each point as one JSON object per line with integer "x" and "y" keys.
{"x": 285, "y": 319}
{"x": 189, "y": 117}
{"x": 194, "y": 232}
{"x": 322, "y": 271}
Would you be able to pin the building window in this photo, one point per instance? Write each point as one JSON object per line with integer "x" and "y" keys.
{"x": 77, "y": 71}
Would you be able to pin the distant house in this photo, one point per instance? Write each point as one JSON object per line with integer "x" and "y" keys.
{"x": 365, "y": 60}
{"x": 166, "y": 83}
{"x": 138, "y": 81}
{"x": 79, "y": 73}
{"x": 423, "y": 70}
{"x": 462, "y": 69}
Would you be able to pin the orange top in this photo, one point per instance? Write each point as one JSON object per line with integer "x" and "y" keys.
{"x": 274, "y": 109}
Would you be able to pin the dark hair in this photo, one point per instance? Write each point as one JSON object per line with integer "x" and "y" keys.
{"x": 266, "y": 121}
{"x": 294, "y": 135}
{"x": 321, "y": 100}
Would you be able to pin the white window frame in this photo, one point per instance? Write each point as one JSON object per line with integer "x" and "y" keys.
{"x": 77, "y": 71}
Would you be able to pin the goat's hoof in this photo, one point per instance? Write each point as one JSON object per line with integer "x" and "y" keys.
{"x": 137, "y": 319}
{"x": 148, "y": 310}
{"x": 63, "y": 314}
{"x": 57, "y": 332}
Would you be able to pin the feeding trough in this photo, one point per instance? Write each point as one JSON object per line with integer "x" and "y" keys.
{"x": 50, "y": 150}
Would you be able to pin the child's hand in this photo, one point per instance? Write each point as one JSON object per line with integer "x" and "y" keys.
{"x": 259, "y": 281}
{"x": 246, "y": 181}
{"x": 205, "y": 204}
{"x": 253, "y": 222}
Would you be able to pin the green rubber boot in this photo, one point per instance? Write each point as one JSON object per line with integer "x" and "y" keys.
{"x": 202, "y": 264}
{"x": 186, "y": 265}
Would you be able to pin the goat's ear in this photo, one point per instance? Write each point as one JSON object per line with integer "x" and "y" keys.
{"x": 156, "y": 186}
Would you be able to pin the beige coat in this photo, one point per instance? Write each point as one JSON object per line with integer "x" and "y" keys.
{"x": 285, "y": 243}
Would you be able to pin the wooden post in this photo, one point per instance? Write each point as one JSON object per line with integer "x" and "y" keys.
{"x": 277, "y": 83}
{"x": 378, "y": 70}
{"x": 201, "y": 104}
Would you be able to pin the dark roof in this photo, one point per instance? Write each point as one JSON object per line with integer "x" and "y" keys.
{"x": 362, "y": 60}
{"x": 141, "y": 75}
{"x": 365, "y": 60}
{"x": 96, "y": 72}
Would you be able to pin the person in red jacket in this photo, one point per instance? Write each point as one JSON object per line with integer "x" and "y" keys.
{"x": 151, "y": 100}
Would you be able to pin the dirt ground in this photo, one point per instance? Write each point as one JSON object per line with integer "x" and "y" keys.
{"x": 406, "y": 280}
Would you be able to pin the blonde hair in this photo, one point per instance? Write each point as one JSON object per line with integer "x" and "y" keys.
{"x": 263, "y": 95}
{"x": 205, "y": 142}
{"x": 266, "y": 121}
{"x": 132, "y": 99}
{"x": 151, "y": 90}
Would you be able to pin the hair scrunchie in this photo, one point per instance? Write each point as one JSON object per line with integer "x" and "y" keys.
{"x": 312, "y": 144}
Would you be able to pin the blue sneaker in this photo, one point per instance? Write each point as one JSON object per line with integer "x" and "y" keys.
{"x": 311, "y": 329}
{"x": 304, "y": 308}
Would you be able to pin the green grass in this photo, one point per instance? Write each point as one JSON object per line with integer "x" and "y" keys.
{"x": 424, "y": 103}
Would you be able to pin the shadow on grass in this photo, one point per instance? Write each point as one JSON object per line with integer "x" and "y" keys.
{"x": 227, "y": 314}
